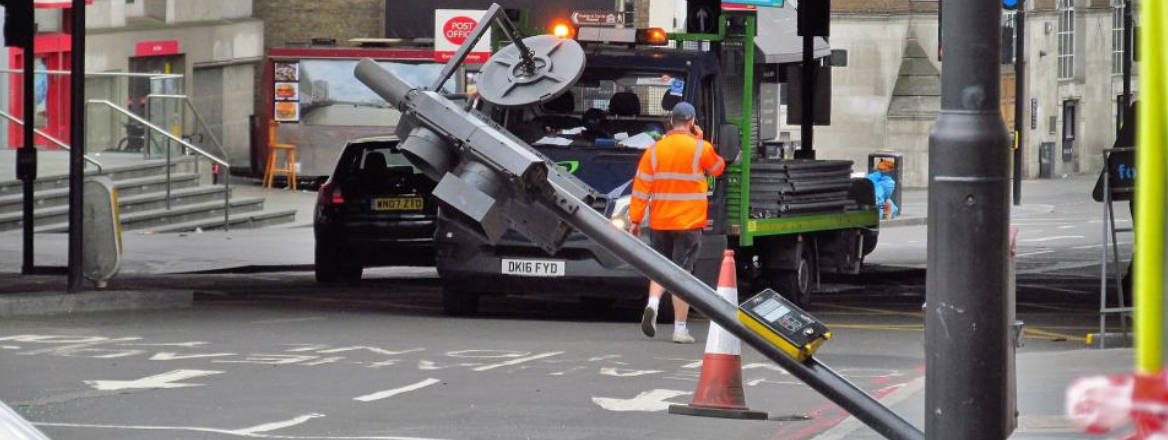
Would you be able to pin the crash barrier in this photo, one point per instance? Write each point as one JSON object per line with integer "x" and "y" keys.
{"x": 719, "y": 392}
{"x": 102, "y": 249}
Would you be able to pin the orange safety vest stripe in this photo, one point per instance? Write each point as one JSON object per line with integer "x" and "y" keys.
{"x": 671, "y": 182}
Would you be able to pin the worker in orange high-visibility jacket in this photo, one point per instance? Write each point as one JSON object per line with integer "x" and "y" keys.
{"x": 671, "y": 183}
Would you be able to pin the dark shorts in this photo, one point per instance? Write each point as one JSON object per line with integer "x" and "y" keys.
{"x": 680, "y": 246}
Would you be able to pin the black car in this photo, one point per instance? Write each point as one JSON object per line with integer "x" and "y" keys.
{"x": 375, "y": 210}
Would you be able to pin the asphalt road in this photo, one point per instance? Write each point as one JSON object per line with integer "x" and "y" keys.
{"x": 275, "y": 355}
{"x": 278, "y": 356}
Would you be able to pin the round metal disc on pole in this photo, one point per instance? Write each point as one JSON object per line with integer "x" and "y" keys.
{"x": 509, "y": 79}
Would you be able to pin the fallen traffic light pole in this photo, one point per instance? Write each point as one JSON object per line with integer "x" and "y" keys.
{"x": 489, "y": 181}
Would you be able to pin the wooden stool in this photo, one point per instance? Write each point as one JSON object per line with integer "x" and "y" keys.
{"x": 289, "y": 168}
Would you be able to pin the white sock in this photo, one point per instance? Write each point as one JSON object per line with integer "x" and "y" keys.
{"x": 679, "y": 327}
{"x": 654, "y": 301}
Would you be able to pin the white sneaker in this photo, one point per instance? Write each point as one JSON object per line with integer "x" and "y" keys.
{"x": 682, "y": 337}
{"x": 649, "y": 322}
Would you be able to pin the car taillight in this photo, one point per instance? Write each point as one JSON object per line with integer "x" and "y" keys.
{"x": 330, "y": 194}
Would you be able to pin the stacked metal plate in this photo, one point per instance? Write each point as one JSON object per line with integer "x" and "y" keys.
{"x": 781, "y": 188}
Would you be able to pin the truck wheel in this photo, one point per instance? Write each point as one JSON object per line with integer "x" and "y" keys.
{"x": 797, "y": 285}
{"x": 459, "y": 303}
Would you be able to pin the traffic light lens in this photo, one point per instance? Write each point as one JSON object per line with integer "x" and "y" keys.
{"x": 1009, "y": 4}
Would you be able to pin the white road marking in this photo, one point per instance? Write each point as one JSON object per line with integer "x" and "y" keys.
{"x": 1096, "y": 245}
{"x": 277, "y": 425}
{"x": 376, "y": 350}
{"x": 517, "y": 361}
{"x": 1030, "y": 254}
{"x": 395, "y": 391}
{"x": 1043, "y": 239}
{"x": 229, "y": 432}
{"x": 265, "y": 427}
{"x": 1067, "y": 227}
{"x": 648, "y": 401}
{"x": 172, "y": 356}
{"x": 10, "y": 347}
{"x": 167, "y": 344}
{"x": 756, "y": 382}
{"x": 626, "y": 372}
{"x": 268, "y": 359}
{"x": 287, "y": 320}
{"x": 165, "y": 380}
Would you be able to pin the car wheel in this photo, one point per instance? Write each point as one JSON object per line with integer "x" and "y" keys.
{"x": 326, "y": 264}
{"x": 459, "y": 303}
{"x": 797, "y": 285}
{"x": 352, "y": 272}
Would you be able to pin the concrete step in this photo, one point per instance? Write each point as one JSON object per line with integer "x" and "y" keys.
{"x": 135, "y": 203}
{"x": 126, "y": 188}
{"x": 148, "y": 168}
{"x": 260, "y": 219}
{"x": 175, "y": 215}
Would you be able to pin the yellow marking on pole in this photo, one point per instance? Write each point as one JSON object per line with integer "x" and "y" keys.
{"x": 1149, "y": 195}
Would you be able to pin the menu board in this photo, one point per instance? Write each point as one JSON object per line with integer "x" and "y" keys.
{"x": 286, "y": 93}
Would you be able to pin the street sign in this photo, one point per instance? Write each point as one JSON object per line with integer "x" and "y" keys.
{"x": 451, "y": 28}
{"x": 597, "y": 18}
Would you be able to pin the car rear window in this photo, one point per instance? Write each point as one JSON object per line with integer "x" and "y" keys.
{"x": 363, "y": 157}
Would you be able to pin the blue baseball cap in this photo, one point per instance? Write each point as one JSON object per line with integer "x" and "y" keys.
{"x": 682, "y": 111}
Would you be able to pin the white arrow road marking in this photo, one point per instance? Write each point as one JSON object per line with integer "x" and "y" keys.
{"x": 649, "y": 401}
{"x": 164, "y": 380}
{"x": 395, "y": 391}
{"x": 278, "y": 425}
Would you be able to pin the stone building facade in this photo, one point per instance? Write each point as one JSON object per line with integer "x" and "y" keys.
{"x": 887, "y": 98}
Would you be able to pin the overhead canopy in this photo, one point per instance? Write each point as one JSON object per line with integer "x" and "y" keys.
{"x": 777, "y": 39}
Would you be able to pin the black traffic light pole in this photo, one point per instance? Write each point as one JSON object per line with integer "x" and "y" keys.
{"x": 26, "y": 157}
{"x": 77, "y": 140}
{"x": 966, "y": 284}
{"x": 1019, "y": 96}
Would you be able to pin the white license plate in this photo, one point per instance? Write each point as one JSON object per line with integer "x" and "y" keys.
{"x": 534, "y": 268}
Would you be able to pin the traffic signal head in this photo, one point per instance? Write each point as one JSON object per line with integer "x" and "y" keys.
{"x": 1010, "y": 5}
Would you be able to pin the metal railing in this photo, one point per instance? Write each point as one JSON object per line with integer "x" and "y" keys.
{"x": 51, "y": 139}
{"x": 198, "y": 120}
{"x": 149, "y": 126}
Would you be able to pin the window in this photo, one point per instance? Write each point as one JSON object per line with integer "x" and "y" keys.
{"x": 1066, "y": 39}
{"x": 1117, "y": 37}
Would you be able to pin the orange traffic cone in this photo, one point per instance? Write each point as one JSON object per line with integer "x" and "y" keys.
{"x": 720, "y": 392}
